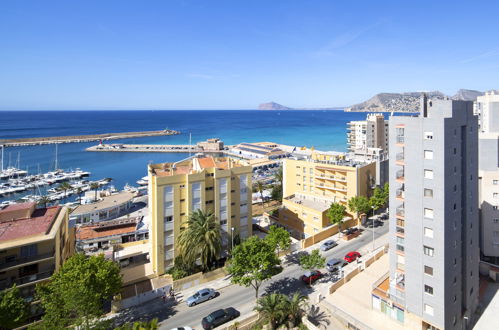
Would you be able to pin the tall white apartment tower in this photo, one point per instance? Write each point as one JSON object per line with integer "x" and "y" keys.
{"x": 369, "y": 133}
{"x": 434, "y": 247}
{"x": 487, "y": 107}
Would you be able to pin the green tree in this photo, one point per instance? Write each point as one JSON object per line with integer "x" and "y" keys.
{"x": 94, "y": 186}
{"x": 276, "y": 193}
{"x": 65, "y": 186}
{"x": 200, "y": 238}
{"x": 312, "y": 261}
{"x": 336, "y": 213}
{"x": 296, "y": 307}
{"x": 278, "y": 238}
{"x": 273, "y": 309}
{"x": 76, "y": 293}
{"x": 259, "y": 187}
{"x": 386, "y": 193}
{"x": 378, "y": 199}
{"x": 145, "y": 325}
{"x": 44, "y": 200}
{"x": 253, "y": 262}
{"x": 359, "y": 204}
{"x": 14, "y": 310}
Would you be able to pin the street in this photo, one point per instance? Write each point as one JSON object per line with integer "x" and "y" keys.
{"x": 242, "y": 298}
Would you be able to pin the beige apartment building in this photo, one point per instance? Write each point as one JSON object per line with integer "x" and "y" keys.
{"x": 34, "y": 243}
{"x": 219, "y": 185}
{"x": 311, "y": 185}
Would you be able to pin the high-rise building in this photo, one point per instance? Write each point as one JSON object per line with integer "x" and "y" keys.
{"x": 487, "y": 107}
{"x": 311, "y": 185}
{"x": 372, "y": 133}
{"x": 219, "y": 185}
{"x": 34, "y": 243}
{"x": 434, "y": 254}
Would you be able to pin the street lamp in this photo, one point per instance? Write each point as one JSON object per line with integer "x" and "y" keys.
{"x": 232, "y": 239}
{"x": 373, "y": 226}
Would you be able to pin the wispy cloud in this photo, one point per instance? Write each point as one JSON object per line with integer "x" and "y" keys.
{"x": 200, "y": 76}
{"x": 481, "y": 56}
{"x": 343, "y": 40}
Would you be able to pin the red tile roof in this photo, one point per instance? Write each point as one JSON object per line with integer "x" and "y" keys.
{"x": 89, "y": 232}
{"x": 17, "y": 207}
{"x": 207, "y": 162}
{"x": 40, "y": 223}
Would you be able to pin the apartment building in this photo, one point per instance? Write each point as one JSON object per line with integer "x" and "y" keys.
{"x": 372, "y": 133}
{"x": 33, "y": 245}
{"x": 433, "y": 278}
{"x": 219, "y": 185}
{"x": 488, "y": 111}
{"x": 310, "y": 185}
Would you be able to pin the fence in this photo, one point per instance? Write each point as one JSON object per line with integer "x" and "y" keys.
{"x": 348, "y": 320}
{"x": 199, "y": 278}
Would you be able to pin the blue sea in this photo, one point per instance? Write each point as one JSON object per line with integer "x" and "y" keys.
{"x": 325, "y": 130}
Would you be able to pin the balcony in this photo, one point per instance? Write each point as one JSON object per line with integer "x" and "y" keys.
{"x": 322, "y": 185}
{"x": 169, "y": 255}
{"x": 27, "y": 280}
{"x": 400, "y": 175}
{"x": 21, "y": 261}
{"x": 400, "y": 280}
{"x": 168, "y": 225}
{"x": 169, "y": 240}
{"x": 400, "y": 248}
{"x": 400, "y": 139}
{"x": 400, "y": 193}
{"x": 400, "y": 230}
{"x": 244, "y": 209}
{"x": 400, "y": 211}
{"x": 400, "y": 157}
{"x": 400, "y": 266}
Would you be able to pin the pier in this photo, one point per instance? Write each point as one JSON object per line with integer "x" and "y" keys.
{"x": 82, "y": 138}
{"x": 182, "y": 148}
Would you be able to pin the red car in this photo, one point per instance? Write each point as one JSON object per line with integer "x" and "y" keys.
{"x": 311, "y": 276}
{"x": 352, "y": 256}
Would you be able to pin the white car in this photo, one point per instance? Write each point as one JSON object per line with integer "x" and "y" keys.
{"x": 182, "y": 328}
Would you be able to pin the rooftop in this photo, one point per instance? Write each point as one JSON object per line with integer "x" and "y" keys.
{"x": 195, "y": 165}
{"x": 315, "y": 203}
{"x": 39, "y": 223}
{"x": 107, "y": 228}
{"x": 104, "y": 203}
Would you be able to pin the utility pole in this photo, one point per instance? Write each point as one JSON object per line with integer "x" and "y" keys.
{"x": 373, "y": 227}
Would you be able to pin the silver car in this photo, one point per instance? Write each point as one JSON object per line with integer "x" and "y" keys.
{"x": 328, "y": 245}
{"x": 334, "y": 265}
{"x": 200, "y": 296}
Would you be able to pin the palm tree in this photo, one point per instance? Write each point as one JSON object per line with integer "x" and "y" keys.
{"x": 259, "y": 187}
{"x": 44, "y": 200}
{"x": 272, "y": 308}
{"x": 65, "y": 186}
{"x": 79, "y": 192}
{"x": 200, "y": 238}
{"x": 296, "y": 306}
{"x": 278, "y": 175}
{"x": 94, "y": 186}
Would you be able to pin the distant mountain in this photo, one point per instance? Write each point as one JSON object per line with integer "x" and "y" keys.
{"x": 272, "y": 106}
{"x": 407, "y": 102}
{"x": 467, "y": 95}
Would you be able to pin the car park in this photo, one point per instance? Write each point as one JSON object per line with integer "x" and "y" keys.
{"x": 352, "y": 256}
{"x": 327, "y": 245}
{"x": 335, "y": 264}
{"x": 200, "y": 296}
{"x": 219, "y": 317}
{"x": 311, "y": 276}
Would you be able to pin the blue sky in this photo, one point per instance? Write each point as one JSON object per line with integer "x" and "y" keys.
{"x": 236, "y": 54}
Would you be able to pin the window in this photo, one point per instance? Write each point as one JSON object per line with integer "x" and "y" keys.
{"x": 495, "y": 182}
{"x": 169, "y": 219}
{"x": 304, "y": 187}
{"x": 428, "y": 213}
{"x": 223, "y": 222}
{"x": 428, "y": 192}
{"x": 428, "y": 154}
{"x": 182, "y": 186}
{"x": 428, "y": 270}
{"x": 428, "y": 289}
{"x": 316, "y": 230}
{"x": 495, "y": 195}
{"x": 428, "y": 251}
{"x": 303, "y": 214}
{"x": 428, "y": 309}
{"x": 304, "y": 170}
{"x": 428, "y": 135}
{"x": 311, "y": 171}
{"x": 316, "y": 219}
{"x": 304, "y": 178}
{"x": 428, "y": 232}
{"x": 496, "y": 220}
{"x": 494, "y": 207}
{"x": 428, "y": 174}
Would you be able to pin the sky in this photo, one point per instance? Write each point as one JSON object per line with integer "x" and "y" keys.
{"x": 207, "y": 54}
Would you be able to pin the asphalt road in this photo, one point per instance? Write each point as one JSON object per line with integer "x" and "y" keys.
{"x": 242, "y": 298}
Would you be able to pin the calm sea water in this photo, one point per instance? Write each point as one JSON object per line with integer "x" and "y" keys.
{"x": 325, "y": 130}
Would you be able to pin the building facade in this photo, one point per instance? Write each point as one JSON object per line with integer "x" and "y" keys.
{"x": 311, "y": 185}
{"x": 34, "y": 243}
{"x": 219, "y": 185}
{"x": 107, "y": 208}
{"x": 367, "y": 134}
{"x": 434, "y": 254}
{"x": 487, "y": 107}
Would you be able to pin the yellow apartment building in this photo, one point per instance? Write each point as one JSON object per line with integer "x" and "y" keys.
{"x": 34, "y": 243}
{"x": 220, "y": 185}
{"x": 311, "y": 185}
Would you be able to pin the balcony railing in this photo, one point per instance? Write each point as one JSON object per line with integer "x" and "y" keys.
{"x": 400, "y": 266}
{"x": 400, "y": 230}
{"x": 400, "y": 174}
{"x": 400, "y": 248}
{"x": 400, "y": 211}
{"x": 400, "y": 156}
{"x": 400, "y": 139}
{"x": 400, "y": 193}
{"x": 24, "y": 260}
{"x": 27, "y": 279}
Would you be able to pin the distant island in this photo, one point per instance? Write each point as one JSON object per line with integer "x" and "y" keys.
{"x": 407, "y": 102}
{"x": 277, "y": 106}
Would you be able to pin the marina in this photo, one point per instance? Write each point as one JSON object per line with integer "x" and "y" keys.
{"x": 82, "y": 138}
{"x": 179, "y": 148}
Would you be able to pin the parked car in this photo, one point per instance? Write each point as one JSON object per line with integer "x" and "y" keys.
{"x": 219, "y": 317}
{"x": 384, "y": 216}
{"x": 311, "y": 276}
{"x": 182, "y": 328}
{"x": 370, "y": 223}
{"x": 352, "y": 256}
{"x": 200, "y": 296}
{"x": 328, "y": 245}
{"x": 335, "y": 264}
{"x": 351, "y": 231}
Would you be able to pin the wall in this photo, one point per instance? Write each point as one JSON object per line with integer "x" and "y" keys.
{"x": 199, "y": 278}
{"x": 309, "y": 241}
{"x": 120, "y": 304}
